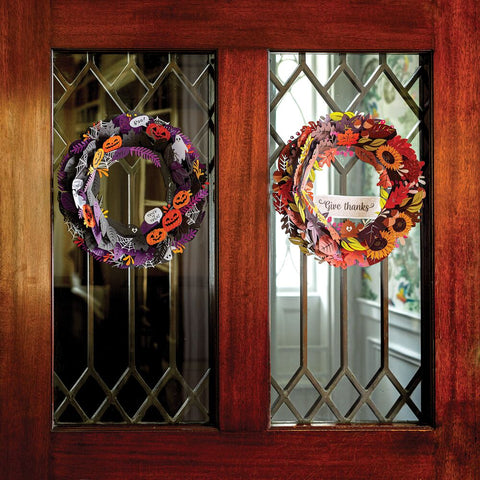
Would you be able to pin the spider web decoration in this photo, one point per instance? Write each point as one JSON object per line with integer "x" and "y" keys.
{"x": 125, "y": 243}
{"x": 74, "y": 230}
{"x": 192, "y": 215}
{"x": 125, "y": 246}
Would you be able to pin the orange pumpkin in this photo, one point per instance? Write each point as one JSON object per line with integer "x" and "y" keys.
{"x": 181, "y": 198}
{"x": 112, "y": 143}
{"x": 158, "y": 132}
{"x": 156, "y": 236}
{"x": 98, "y": 157}
{"x": 88, "y": 217}
{"x": 172, "y": 219}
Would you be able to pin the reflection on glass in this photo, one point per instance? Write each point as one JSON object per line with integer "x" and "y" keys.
{"x": 332, "y": 360}
{"x": 133, "y": 346}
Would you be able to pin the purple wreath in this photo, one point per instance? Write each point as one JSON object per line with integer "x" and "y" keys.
{"x": 164, "y": 231}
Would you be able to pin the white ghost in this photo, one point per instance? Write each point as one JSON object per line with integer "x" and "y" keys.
{"x": 179, "y": 149}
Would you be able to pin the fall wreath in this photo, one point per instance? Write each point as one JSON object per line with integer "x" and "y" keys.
{"x": 164, "y": 231}
{"x": 306, "y": 219}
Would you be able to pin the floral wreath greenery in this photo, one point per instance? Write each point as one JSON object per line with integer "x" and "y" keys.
{"x": 166, "y": 230}
{"x": 400, "y": 181}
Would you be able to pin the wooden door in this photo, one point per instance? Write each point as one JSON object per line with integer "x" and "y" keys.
{"x": 243, "y": 445}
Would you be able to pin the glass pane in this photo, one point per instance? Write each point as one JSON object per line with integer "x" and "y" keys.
{"x": 134, "y": 345}
{"x": 347, "y": 345}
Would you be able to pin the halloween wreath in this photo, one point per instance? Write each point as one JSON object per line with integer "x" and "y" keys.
{"x": 306, "y": 219}
{"x": 164, "y": 231}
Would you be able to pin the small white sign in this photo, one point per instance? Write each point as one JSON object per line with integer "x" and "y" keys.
{"x": 140, "y": 121}
{"x": 343, "y": 206}
{"x": 153, "y": 216}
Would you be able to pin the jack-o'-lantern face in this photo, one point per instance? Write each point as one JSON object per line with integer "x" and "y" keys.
{"x": 181, "y": 198}
{"x": 112, "y": 143}
{"x": 172, "y": 219}
{"x": 88, "y": 217}
{"x": 158, "y": 132}
{"x": 98, "y": 157}
{"x": 156, "y": 236}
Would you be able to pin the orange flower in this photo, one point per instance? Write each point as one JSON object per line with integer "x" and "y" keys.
{"x": 382, "y": 246}
{"x": 401, "y": 226}
{"x": 389, "y": 157}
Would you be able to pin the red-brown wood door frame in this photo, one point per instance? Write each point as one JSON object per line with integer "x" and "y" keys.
{"x": 243, "y": 446}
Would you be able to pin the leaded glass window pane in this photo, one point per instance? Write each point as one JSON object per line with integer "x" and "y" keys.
{"x": 350, "y": 345}
{"x": 133, "y": 346}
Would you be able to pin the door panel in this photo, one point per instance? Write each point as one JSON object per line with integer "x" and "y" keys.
{"x": 242, "y": 31}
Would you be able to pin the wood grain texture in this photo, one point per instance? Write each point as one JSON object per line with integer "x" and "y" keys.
{"x": 276, "y": 24}
{"x": 280, "y": 455}
{"x": 25, "y": 240}
{"x": 457, "y": 235}
{"x": 242, "y": 31}
{"x": 243, "y": 206}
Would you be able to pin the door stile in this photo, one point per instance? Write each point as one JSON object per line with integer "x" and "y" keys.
{"x": 457, "y": 236}
{"x": 25, "y": 233}
{"x": 243, "y": 208}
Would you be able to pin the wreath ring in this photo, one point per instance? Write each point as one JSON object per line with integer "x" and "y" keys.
{"x": 164, "y": 231}
{"x": 400, "y": 180}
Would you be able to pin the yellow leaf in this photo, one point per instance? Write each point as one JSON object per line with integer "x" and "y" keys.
{"x": 354, "y": 244}
{"x": 383, "y": 197}
{"x": 301, "y": 211}
{"x": 414, "y": 208}
{"x": 296, "y": 240}
{"x": 321, "y": 217}
{"x": 418, "y": 198}
{"x": 377, "y": 142}
{"x": 335, "y": 116}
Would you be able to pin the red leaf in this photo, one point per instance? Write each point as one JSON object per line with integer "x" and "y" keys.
{"x": 285, "y": 192}
{"x": 368, "y": 157}
{"x": 384, "y": 180}
{"x": 397, "y": 195}
{"x": 381, "y": 130}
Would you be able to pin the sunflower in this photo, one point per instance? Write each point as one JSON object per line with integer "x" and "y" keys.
{"x": 401, "y": 227}
{"x": 381, "y": 246}
{"x": 389, "y": 157}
